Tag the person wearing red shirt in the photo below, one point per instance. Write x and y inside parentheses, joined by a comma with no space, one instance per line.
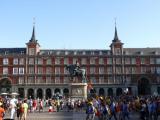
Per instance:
(1,111)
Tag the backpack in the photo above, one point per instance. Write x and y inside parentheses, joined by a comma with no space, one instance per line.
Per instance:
(104,110)
(90,110)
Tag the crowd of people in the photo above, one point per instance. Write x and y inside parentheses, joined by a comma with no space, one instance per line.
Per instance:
(98,107)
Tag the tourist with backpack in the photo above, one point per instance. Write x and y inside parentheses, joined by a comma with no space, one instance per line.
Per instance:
(90,111)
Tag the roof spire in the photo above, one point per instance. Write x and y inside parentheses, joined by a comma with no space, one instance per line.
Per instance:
(33,38)
(116,39)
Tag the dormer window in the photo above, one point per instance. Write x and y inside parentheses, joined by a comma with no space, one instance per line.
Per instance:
(66,52)
(92,53)
(75,52)
(58,52)
(6,52)
(83,53)
(100,53)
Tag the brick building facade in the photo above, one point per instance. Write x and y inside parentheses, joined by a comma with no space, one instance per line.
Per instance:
(35,72)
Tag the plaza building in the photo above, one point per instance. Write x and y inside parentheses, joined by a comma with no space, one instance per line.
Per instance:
(41,73)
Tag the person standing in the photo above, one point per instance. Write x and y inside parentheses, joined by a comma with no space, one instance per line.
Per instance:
(13,108)
(2,111)
(25,107)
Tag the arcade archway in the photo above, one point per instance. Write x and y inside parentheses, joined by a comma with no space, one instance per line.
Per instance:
(48,93)
(110,92)
(66,92)
(5,85)
(30,93)
(119,91)
(57,91)
(39,93)
(101,92)
(144,87)
(21,92)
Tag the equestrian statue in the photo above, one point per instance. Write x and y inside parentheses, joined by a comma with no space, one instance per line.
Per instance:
(76,71)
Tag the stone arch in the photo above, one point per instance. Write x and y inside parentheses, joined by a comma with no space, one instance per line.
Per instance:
(21,92)
(5,85)
(40,93)
(30,93)
(144,87)
(110,92)
(57,90)
(119,91)
(66,92)
(158,90)
(48,93)
(101,92)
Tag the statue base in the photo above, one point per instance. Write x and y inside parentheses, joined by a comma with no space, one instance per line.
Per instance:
(78,90)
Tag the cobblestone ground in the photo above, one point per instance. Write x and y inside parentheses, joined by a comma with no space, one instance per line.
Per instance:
(63,116)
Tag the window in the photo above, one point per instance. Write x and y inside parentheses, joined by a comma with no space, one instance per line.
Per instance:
(157,60)
(117,51)
(93,80)
(118,70)
(128,70)
(57,70)
(66,71)
(66,61)
(66,52)
(40,70)
(15,61)
(127,61)
(31,70)
(21,80)
(133,70)
(84,61)
(31,61)
(21,61)
(40,80)
(109,61)
(158,70)
(57,61)
(92,70)
(74,60)
(48,70)
(133,61)
(30,80)
(101,61)
(110,80)
(66,80)
(92,60)
(118,60)
(83,53)
(5,61)
(57,79)
(15,70)
(21,70)
(100,53)
(40,61)
(5,70)
(152,61)
(101,79)
(109,70)
(49,61)
(48,79)
(31,51)
(101,70)
(143,70)
(142,60)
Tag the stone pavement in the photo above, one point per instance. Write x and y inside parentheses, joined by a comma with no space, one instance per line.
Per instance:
(63,116)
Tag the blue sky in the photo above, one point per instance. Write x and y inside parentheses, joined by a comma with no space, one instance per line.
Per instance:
(80,24)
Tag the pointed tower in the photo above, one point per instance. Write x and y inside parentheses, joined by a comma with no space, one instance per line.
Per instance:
(116,45)
(33,47)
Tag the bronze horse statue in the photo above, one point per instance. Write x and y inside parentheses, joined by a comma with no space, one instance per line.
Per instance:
(76,71)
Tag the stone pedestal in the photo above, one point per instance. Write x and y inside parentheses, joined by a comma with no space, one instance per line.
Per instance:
(78,90)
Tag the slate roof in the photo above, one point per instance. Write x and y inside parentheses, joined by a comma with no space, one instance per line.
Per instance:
(9,51)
